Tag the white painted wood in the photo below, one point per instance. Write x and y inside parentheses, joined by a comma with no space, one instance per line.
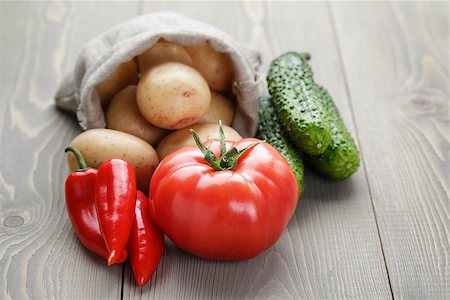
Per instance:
(40,256)
(386,65)
(396,61)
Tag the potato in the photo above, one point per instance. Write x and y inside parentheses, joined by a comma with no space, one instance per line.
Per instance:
(123,114)
(125,75)
(216,67)
(183,137)
(221,108)
(100,145)
(173,95)
(163,52)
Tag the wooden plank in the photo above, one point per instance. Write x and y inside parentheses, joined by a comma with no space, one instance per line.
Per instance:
(396,60)
(331,248)
(40,256)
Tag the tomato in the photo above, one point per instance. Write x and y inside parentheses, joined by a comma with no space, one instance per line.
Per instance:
(230,214)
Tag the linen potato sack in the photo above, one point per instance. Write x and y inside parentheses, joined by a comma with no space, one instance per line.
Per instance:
(102,55)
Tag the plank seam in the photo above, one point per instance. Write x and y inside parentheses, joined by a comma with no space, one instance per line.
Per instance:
(352,113)
(123,281)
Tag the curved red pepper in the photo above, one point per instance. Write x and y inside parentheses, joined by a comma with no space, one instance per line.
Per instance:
(80,204)
(146,243)
(115,198)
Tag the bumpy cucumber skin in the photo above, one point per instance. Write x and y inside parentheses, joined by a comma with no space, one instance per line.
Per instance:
(290,81)
(270,130)
(341,159)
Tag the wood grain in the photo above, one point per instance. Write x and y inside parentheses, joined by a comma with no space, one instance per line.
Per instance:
(381,234)
(331,247)
(396,61)
(40,256)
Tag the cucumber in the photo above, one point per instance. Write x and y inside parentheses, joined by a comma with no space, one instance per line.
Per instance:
(270,130)
(341,159)
(290,81)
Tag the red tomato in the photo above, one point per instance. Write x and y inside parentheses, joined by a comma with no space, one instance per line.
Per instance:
(226,215)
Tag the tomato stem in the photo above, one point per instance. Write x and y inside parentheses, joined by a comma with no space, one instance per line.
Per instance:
(208,154)
(81,162)
(228,159)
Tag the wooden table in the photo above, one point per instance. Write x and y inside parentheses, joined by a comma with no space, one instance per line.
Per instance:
(382,234)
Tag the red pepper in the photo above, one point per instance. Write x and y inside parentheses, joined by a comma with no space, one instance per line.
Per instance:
(80,204)
(146,243)
(115,198)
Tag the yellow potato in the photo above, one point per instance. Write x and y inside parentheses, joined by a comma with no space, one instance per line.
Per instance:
(126,74)
(221,108)
(123,114)
(183,137)
(216,67)
(173,95)
(100,145)
(163,52)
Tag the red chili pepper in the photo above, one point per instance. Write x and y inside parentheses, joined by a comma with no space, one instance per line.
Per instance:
(146,243)
(80,204)
(115,198)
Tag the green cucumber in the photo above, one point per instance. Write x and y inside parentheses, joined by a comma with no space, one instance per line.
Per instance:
(341,159)
(290,81)
(270,130)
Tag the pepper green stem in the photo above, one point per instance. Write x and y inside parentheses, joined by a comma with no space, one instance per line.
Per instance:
(81,162)
(228,159)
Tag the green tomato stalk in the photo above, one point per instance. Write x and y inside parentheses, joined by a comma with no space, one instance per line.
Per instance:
(228,159)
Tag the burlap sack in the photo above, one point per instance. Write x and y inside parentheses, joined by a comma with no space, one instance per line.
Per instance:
(104,54)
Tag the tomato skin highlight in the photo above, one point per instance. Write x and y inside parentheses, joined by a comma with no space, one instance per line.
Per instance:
(224,215)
